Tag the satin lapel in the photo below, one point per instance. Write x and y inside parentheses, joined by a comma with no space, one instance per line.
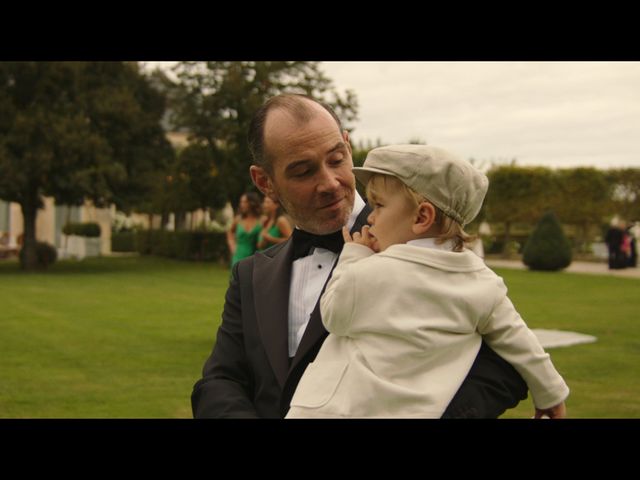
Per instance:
(315,330)
(271,278)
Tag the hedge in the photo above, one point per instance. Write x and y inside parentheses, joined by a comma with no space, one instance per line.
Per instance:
(201,246)
(88,229)
(123,242)
(46,254)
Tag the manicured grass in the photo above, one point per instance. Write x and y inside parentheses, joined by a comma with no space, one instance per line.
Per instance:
(127,337)
(106,338)
(603,375)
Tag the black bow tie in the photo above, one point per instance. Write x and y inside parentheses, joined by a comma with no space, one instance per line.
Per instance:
(304,241)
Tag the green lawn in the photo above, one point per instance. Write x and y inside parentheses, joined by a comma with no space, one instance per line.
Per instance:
(106,338)
(602,376)
(127,337)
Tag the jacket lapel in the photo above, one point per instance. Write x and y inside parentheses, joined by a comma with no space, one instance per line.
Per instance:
(315,329)
(271,278)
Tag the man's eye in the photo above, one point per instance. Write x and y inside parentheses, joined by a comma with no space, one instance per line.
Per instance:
(336,160)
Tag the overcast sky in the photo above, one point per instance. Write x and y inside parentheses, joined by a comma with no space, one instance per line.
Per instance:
(557,114)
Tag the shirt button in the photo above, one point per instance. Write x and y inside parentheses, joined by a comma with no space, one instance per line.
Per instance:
(319,266)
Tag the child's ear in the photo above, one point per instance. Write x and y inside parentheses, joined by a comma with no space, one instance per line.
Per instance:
(425,218)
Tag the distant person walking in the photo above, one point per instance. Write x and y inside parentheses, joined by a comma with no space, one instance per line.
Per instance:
(613,239)
(242,237)
(629,246)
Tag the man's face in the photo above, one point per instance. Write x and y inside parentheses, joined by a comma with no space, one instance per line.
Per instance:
(312,175)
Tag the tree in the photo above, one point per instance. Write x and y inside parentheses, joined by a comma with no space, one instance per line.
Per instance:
(625,192)
(127,108)
(547,248)
(76,131)
(215,101)
(583,200)
(195,181)
(518,195)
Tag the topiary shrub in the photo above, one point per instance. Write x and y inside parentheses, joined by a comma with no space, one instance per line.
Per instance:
(199,246)
(547,247)
(123,242)
(87,229)
(46,254)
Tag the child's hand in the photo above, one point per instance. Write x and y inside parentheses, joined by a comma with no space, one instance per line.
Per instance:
(559,411)
(362,238)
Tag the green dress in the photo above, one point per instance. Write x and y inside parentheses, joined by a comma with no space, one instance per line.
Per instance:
(246,242)
(274,231)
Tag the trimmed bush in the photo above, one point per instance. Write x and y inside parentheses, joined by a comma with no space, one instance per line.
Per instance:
(123,242)
(201,246)
(547,248)
(88,229)
(46,254)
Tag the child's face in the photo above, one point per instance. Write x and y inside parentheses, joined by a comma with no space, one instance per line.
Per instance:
(392,218)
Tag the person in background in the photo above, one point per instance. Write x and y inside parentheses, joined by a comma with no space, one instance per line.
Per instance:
(275,226)
(633,231)
(628,247)
(242,236)
(613,239)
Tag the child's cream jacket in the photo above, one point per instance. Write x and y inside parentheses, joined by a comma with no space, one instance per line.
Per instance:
(405,327)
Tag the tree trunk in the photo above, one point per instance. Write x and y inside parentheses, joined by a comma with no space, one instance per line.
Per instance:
(180,223)
(66,237)
(507,239)
(29,257)
(164,220)
(584,241)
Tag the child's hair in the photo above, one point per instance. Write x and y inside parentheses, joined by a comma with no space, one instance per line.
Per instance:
(447,227)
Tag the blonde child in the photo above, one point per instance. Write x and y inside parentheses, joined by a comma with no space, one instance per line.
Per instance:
(407,305)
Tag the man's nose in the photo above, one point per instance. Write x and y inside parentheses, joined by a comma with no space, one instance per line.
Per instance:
(328,181)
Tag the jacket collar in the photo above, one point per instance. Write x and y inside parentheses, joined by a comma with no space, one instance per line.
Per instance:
(271,285)
(315,329)
(271,278)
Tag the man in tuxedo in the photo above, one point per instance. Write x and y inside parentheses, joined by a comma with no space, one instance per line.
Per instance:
(271,327)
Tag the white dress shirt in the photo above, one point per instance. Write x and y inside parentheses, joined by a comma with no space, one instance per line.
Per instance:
(308,276)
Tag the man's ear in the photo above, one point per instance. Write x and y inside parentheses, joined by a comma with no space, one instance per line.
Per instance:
(345,136)
(262,181)
(425,218)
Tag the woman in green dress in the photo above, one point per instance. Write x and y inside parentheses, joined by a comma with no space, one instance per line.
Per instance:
(275,226)
(242,237)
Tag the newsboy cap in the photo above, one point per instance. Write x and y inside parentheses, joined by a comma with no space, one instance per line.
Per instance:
(452,184)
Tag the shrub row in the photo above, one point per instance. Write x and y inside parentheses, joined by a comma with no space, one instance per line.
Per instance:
(46,254)
(201,246)
(123,241)
(88,229)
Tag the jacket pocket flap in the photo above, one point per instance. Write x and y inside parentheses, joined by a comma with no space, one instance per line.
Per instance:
(318,384)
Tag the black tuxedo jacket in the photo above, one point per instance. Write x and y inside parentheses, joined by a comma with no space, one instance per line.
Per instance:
(249,373)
